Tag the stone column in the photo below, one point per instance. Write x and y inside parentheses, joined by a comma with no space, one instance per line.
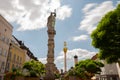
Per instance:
(50,66)
(65,60)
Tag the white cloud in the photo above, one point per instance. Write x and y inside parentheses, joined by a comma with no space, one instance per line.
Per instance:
(54,4)
(81,53)
(118,2)
(32,14)
(64,12)
(94,14)
(43,60)
(81,37)
(89,6)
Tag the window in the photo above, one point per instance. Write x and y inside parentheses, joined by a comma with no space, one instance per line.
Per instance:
(7,66)
(14,57)
(2,38)
(2,67)
(18,59)
(0,51)
(9,55)
(5,30)
(114,78)
(13,66)
(16,66)
(7,41)
(5,53)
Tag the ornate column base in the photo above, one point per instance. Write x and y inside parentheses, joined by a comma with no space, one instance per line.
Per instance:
(50,71)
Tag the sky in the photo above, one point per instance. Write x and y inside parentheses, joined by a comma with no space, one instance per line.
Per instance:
(75,21)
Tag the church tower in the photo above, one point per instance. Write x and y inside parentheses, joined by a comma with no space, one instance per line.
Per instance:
(75,59)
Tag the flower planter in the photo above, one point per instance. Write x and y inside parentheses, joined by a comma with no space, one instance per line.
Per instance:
(31,78)
(19,78)
(74,78)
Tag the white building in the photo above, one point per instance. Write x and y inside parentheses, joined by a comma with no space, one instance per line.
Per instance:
(109,71)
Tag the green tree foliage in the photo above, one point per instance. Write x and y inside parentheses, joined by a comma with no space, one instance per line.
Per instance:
(35,68)
(106,37)
(87,68)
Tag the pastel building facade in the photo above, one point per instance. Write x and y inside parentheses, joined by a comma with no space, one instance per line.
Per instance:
(16,56)
(5,39)
(13,52)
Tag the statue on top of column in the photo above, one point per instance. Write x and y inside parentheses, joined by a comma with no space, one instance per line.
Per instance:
(51,20)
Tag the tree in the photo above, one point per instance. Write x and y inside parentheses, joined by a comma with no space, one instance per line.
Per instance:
(35,68)
(87,68)
(106,37)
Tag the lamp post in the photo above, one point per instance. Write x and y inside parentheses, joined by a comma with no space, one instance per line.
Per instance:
(65,51)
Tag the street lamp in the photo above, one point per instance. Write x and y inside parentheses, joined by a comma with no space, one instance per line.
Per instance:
(65,51)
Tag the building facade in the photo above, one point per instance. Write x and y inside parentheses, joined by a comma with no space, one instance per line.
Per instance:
(118,67)
(5,38)
(109,71)
(13,52)
(16,56)
(29,55)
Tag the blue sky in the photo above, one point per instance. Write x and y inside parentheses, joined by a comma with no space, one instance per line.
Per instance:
(75,21)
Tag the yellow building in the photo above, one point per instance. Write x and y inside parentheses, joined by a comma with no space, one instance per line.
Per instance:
(16,56)
(5,38)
